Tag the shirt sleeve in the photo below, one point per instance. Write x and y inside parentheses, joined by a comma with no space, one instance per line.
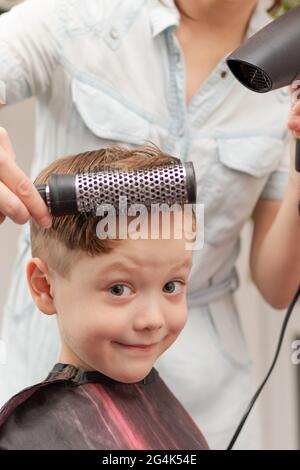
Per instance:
(28,50)
(277,182)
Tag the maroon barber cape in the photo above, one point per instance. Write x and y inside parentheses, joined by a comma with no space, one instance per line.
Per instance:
(75,409)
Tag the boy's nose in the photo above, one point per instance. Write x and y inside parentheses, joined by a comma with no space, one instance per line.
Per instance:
(149,317)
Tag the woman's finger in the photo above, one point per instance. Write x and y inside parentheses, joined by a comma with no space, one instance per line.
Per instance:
(11,206)
(16,180)
(6,144)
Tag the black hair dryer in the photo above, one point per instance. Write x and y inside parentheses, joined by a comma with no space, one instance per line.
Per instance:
(270,59)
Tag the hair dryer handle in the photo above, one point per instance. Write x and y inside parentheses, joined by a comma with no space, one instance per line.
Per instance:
(297,164)
(298,155)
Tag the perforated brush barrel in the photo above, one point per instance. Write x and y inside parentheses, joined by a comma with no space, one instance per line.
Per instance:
(84,192)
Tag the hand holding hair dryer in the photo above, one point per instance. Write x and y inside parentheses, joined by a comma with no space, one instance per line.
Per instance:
(270,59)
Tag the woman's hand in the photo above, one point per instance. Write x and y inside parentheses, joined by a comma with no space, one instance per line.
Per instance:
(294,119)
(294,126)
(19,199)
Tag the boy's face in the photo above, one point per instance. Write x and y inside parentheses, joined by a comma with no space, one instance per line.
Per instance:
(120,311)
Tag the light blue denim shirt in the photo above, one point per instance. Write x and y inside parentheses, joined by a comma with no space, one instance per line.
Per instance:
(112,71)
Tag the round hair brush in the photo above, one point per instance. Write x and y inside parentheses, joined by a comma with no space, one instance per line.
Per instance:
(83,192)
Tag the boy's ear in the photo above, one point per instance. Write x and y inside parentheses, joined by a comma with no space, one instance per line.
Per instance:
(39,282)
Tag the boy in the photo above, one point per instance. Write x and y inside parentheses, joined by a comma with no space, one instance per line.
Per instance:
(120,303)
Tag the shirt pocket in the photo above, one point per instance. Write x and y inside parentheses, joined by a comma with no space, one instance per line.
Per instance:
(233,183)
(107,119)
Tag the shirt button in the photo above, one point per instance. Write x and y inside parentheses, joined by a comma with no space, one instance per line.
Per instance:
(181,132)
(114,33)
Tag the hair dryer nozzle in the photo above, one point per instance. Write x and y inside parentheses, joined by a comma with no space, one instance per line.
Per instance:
(250,75)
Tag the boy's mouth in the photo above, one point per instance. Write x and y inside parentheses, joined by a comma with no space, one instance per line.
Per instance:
(141,347)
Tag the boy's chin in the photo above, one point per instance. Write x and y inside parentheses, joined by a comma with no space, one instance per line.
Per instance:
(132,377)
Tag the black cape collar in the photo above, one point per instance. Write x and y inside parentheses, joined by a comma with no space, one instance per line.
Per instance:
(80,376)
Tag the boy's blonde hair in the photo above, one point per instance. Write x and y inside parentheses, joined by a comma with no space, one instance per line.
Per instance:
(72,236)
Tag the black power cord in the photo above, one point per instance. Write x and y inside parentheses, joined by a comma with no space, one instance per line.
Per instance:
(257,393)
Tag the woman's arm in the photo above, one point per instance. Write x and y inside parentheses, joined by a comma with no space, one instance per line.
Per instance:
(28,49)
(28,56)
(275,250)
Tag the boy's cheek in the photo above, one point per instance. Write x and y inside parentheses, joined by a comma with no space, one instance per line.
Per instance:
(178,324)
(181,319)
(171,338)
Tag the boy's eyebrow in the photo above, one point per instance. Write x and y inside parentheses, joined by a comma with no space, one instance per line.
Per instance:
(118,265)
(186,264)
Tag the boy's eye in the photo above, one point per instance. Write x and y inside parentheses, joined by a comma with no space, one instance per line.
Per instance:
(119,290)
(173,287)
